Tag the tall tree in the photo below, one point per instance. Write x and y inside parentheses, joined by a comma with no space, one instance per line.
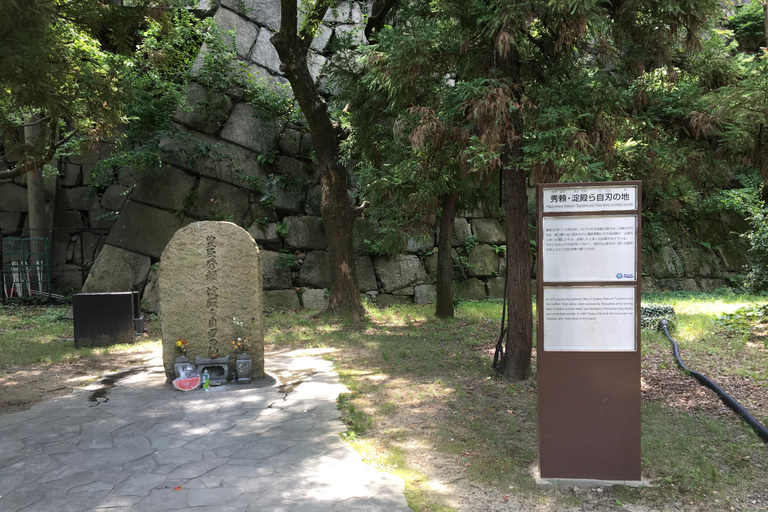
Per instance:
(292,44)
(534,89)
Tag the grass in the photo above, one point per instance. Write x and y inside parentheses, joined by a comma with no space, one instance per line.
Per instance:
(419,381)
(43,334)
(423,387)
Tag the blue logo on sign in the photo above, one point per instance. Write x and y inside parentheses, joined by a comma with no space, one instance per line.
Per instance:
(619,276)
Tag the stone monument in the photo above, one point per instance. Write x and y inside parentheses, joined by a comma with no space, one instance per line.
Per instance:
(210,278)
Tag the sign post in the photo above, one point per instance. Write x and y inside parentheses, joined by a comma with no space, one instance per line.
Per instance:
(588,336)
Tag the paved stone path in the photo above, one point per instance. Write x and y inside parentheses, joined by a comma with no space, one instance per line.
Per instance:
(142,446)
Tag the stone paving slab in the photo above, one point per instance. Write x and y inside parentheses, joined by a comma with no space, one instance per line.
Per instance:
(143,446)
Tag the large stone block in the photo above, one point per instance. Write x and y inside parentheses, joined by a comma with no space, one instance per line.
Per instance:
(150,299)
(471,289)
(205,111)
(430,263)
(707,285)
(700,262)
(353,32)
(281,300)
(290,142)
(420,243)
(366,277)
(101,218)
(167,188)
(461,232)
(425,294)
(247,128)
(482,261)
(496,287)
(296,169)
(217,201)
(117,270)
(71,175)
(114,197)
(80,198)
(287,196)
(385,300)
(667,263)
(275,278)
(316,270)
(209,275)
(68,219)
(305,233)
(245,34)
(265,233)
(316,64)
(322,37)
(488,231)
(398,272)
(339,14)
(145,229)
(263,12)
(264,54)
(313,298)
(312,204)
(9,221)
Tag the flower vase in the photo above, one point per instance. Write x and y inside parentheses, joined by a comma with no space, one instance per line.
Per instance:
(180,363)
(243,365)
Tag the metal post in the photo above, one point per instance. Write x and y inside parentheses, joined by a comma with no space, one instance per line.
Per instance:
(82,259)
(2,266)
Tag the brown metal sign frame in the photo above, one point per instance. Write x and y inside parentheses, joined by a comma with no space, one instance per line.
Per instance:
(589,401)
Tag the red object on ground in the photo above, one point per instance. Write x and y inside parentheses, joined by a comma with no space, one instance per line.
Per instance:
(186,384)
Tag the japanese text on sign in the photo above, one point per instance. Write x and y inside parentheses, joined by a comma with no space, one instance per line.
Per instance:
(563,199)
(589,248)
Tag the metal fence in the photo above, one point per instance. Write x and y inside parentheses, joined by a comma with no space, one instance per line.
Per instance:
(48,263)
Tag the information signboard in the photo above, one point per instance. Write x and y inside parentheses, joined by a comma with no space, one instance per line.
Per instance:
(588,336)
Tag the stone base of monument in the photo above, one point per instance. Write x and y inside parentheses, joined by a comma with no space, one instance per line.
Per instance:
(218,368)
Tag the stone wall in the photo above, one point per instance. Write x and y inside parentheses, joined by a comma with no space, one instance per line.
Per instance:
(144,210)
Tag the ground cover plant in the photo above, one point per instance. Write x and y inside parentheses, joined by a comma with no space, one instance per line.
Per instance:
(424,403)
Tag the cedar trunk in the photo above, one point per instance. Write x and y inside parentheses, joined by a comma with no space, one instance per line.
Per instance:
(444,307)
(517,357)
(335,205)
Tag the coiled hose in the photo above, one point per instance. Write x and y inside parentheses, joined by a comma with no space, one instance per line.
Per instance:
(725,397)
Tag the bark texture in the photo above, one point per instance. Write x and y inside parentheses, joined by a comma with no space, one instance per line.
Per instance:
(519,346)
(444,307)
(335,207)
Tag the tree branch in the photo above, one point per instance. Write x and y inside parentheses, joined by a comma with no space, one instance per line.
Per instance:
(381,9)
(312,21)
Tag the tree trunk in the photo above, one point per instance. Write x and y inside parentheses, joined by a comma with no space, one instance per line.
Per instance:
(444,307)
(335,205)
(517,357)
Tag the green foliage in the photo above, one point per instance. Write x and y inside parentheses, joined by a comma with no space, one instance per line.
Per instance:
(285,259)
(282,228)
(748,25)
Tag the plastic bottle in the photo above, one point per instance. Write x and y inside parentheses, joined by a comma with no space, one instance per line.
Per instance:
(206,380)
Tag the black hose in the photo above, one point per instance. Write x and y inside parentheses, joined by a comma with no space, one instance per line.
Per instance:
(725,397)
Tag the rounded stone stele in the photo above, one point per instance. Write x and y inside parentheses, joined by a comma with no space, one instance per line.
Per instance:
(209,275)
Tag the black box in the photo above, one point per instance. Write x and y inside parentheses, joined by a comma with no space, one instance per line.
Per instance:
(103,319)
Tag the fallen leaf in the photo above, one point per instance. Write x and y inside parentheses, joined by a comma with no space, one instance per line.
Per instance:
(177,488)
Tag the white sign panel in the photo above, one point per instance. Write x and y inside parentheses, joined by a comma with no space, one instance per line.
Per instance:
(593,248)
(590,199)
(583,319)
